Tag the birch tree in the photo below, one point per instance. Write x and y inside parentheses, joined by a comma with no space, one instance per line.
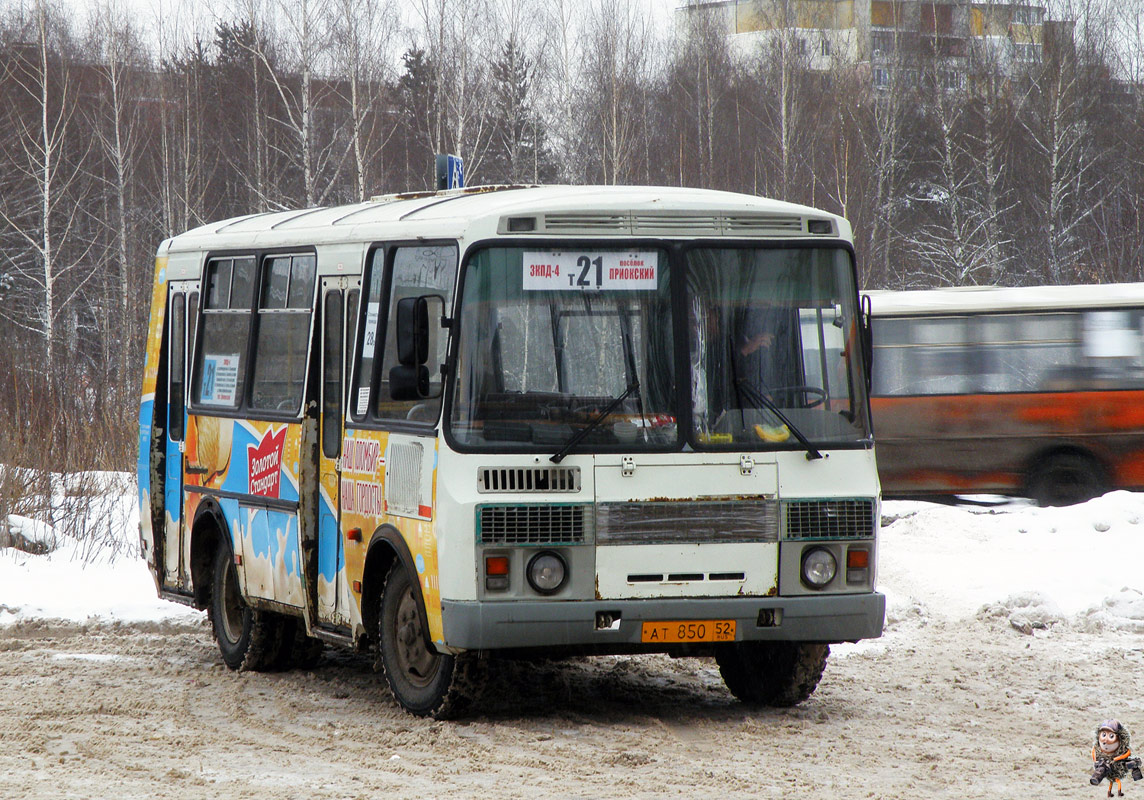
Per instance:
(1064,178)
(117,129)
(458,35)
(41,215)
(362,33)
(613,98)
(702,79)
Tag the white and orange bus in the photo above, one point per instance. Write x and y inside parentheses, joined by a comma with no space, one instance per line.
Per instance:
(515,421)
(1035,391)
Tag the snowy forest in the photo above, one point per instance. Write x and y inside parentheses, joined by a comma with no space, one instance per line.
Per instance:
(119,128)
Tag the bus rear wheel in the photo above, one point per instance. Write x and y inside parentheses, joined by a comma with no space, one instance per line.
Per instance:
(1063,479)
(772,673)
(424,682)
(248,639)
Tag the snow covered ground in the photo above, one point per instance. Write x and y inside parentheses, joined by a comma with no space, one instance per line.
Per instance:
(998,620)
(1036,566)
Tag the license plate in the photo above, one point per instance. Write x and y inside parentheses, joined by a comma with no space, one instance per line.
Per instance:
(704,630)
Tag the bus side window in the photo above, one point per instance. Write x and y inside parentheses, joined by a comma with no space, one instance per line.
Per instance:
(178,367)
(220,358)
(351,329)
(332,375)
(371,329)
(192,324)
(416,271)
(283,333)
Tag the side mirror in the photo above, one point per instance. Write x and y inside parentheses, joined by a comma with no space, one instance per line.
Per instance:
(412,331)
(409,382)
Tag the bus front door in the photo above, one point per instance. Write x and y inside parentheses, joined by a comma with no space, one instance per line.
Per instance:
(174,572)
(337,327)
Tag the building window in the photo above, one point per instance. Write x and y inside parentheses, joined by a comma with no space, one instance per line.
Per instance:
(1027,16)
(1025,51)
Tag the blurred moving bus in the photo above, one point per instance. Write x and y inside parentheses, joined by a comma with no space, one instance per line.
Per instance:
(1035,391)
(515,421)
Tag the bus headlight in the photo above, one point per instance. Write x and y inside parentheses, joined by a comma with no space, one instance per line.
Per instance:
(546,572)
(818,567)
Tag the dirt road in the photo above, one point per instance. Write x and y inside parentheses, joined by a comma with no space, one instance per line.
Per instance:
(966,710)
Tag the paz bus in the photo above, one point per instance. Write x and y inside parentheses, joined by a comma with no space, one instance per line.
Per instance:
(515,422)
(1035,391)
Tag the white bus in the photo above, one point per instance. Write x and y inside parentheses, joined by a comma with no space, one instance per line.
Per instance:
(515,421)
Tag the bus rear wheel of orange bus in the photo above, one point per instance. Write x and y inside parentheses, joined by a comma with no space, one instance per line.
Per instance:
(1063,479)
(424,682)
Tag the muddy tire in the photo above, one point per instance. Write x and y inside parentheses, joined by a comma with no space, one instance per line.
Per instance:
(1064,479)
(772,673)
(248,639)
(424,682)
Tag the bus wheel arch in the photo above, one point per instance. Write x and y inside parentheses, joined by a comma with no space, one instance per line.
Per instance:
(386,547)
(247,638)
(1065,475)
(208,533)
(423,680)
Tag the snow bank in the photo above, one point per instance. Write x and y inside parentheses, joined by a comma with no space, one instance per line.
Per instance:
(1037,566)
(80,579)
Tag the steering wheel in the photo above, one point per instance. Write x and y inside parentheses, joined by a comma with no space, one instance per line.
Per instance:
(808,392)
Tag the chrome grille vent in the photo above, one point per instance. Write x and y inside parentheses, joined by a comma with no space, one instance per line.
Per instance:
(830,519)
(528,479)
(600,223)
(667,223)
(532,524)
(695,521)
(661,224)
(762,224)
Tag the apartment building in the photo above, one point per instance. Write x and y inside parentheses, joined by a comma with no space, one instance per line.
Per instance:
(885,34)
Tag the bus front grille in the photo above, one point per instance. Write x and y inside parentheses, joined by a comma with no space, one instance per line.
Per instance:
(528,479)
(687,522)
(830,519)
(546,524)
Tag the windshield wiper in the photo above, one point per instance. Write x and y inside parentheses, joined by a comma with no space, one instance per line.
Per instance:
(752,393)
(593,423)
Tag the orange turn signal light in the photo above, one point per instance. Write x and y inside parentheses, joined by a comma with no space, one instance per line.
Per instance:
(496,565)
(857,559)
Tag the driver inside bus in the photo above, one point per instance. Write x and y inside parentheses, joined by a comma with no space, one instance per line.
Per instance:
(762,356)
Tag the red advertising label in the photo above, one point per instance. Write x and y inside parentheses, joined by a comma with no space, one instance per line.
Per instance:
(265,462)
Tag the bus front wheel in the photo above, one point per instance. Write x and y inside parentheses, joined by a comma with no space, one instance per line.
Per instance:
(424,682)
(1063,479)
(772,673)
(248,639)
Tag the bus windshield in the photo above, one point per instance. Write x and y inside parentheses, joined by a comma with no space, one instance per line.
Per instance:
(556,341)
(772,331)
(551,338)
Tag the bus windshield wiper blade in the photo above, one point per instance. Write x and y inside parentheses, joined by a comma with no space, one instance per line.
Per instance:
(593,423)
(812,452)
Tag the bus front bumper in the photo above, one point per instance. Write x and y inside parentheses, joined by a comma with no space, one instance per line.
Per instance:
(530,624)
